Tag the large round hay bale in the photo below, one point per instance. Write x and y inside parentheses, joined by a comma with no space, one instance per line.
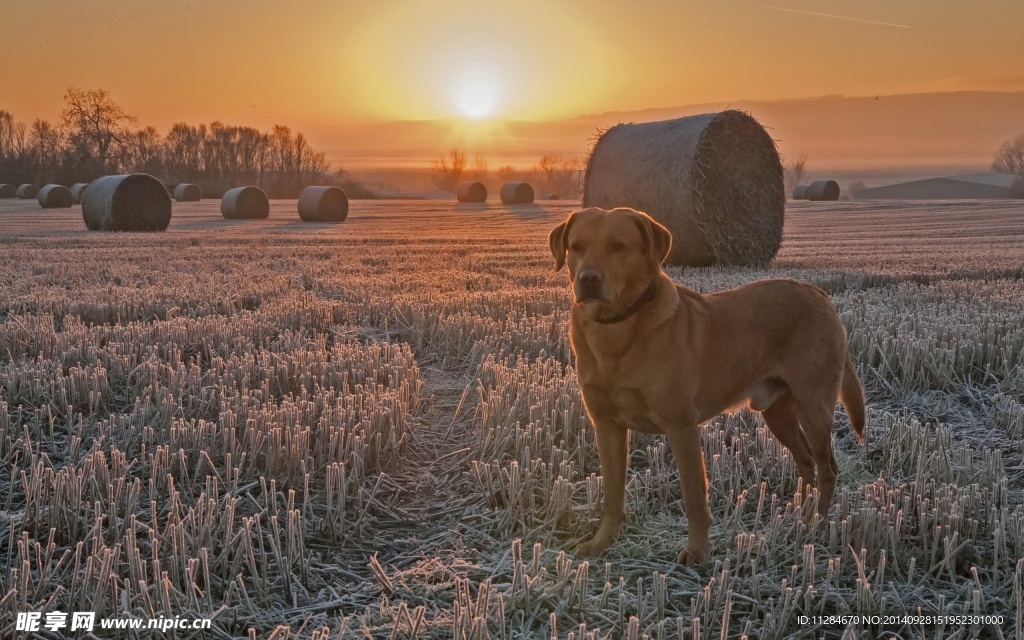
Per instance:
(55,196)
(78,190)
(714,180)
(516,193)
(800,192)
(131,202)
(186,192)
(245,203)
(323,204)
(823,190)
(27,191)
(8,191)
(471,192)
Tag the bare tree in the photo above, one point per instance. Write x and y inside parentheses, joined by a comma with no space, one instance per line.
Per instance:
(479,171)
(94,125)
(506,173)
(290,160)
(794,173)
(282,157)
(569,171)
(253,152)
(17,158)
(46,146)
(183,157)
(448,170)
(6,135)
(1010,157)
(223,142)
(557,174)
(143,152)
(312,163)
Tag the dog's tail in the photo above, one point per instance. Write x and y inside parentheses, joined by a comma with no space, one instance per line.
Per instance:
(852,396)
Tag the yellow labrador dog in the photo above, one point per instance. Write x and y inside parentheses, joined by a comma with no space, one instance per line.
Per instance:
(660,358)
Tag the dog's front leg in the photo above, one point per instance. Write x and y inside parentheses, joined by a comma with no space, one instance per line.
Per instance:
(613,450)
(693,481)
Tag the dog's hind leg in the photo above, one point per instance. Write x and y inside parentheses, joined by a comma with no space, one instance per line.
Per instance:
(816,420)
(782,419)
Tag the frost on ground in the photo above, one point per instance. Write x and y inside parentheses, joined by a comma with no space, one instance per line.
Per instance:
(373,429)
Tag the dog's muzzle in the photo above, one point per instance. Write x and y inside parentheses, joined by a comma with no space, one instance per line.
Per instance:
(588,285)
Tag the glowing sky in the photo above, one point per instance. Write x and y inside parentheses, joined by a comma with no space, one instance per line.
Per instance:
(322,64)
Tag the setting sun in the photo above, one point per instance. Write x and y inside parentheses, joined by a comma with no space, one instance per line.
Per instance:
(476,95)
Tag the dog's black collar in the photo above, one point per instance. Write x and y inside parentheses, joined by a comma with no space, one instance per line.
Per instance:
(647,296)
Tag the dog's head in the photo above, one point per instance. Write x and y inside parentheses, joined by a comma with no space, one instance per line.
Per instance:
(612,255)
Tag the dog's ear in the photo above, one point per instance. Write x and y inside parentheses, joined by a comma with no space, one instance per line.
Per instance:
(558,239)
(657,239)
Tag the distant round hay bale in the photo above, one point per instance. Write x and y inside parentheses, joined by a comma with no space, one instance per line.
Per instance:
(27,191)
(8,191)
(55,196)
(245,203)
(78,190)
(471,192)
(131,202)
(800,192)
(186,192)
(549,196)
(714,180)
(823,190)
(323,204)
(516,193)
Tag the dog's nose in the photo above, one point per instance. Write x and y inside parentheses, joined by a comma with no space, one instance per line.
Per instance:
(590,278)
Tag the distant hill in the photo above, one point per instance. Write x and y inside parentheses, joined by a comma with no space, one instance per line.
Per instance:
(915,133)
(942,128)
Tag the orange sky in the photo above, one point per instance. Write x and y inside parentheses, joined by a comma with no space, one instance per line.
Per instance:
(328,66)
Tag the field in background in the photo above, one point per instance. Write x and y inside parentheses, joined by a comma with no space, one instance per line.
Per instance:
(373,429)
(413,177)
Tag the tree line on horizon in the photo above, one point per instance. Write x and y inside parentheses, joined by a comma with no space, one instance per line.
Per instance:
(553,173)
(96,137)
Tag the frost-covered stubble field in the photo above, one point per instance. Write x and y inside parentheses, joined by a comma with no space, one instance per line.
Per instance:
(373,429)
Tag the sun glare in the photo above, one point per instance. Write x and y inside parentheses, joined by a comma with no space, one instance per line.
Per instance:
(476,95)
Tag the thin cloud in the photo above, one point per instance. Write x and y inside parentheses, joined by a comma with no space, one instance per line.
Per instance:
(981,83)
(835,17)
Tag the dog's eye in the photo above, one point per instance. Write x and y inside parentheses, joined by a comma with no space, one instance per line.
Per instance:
(618,246)
(575,247)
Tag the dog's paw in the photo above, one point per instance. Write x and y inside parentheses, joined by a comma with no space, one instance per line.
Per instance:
(592,547)
(689,557)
